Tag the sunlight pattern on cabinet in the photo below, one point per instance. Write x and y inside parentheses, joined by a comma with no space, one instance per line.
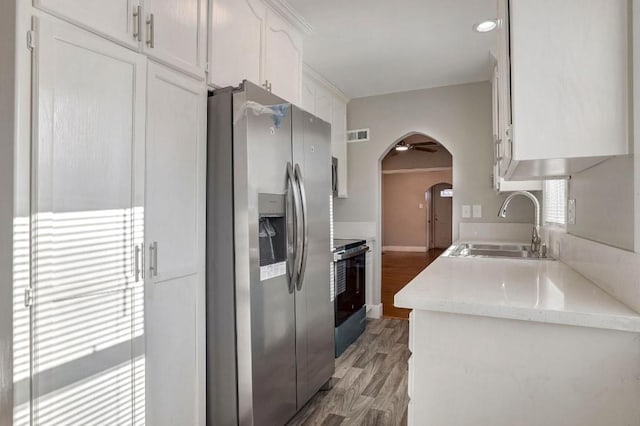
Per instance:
(88,318)
(21,334)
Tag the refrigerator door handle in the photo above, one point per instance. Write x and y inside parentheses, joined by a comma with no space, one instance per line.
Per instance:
(305,227)
(296,253)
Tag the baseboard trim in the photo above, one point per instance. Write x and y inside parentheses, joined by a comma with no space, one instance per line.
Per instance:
(418,249)
(374,311)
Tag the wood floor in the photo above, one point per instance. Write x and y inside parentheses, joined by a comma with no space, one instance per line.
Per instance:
(398,268)
(370,381)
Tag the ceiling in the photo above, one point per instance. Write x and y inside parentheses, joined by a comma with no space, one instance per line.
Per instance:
(371,47)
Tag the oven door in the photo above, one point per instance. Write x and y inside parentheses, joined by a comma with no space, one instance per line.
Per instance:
(349,284)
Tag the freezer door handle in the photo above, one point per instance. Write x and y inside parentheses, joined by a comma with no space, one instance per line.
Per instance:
(295,244)
(305,227)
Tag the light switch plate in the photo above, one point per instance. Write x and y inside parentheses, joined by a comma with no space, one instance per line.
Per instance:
(477,210)
(571,212)
(466,211)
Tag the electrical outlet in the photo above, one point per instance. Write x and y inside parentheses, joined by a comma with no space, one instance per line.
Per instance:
(477,210)
(571,212)
(420,205)
(466,211)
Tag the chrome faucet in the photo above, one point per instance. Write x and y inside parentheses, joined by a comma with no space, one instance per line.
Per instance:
(536,242)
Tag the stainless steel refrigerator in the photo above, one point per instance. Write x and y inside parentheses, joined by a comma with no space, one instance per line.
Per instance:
(269,310)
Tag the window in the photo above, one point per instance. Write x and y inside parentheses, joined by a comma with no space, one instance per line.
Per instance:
(555,202)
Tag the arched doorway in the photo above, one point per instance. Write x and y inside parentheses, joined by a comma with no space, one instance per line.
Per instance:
(416,217)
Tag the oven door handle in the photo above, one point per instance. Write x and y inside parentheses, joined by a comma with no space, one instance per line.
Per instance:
(344,256)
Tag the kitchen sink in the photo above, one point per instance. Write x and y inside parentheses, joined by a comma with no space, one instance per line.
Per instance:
(509,251)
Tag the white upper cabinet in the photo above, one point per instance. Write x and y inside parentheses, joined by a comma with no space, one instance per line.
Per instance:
(499,183)
(324,100)
(114,19)
(568,66)
(252,40)
(175,33)
(171,31)
(283,58)
(339,143)
(236,42)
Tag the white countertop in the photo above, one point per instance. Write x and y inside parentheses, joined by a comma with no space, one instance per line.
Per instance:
(532,290)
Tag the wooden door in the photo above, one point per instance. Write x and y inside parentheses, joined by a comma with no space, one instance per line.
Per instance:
(174,284)
(113,19)
(236,41)
(442,211)
(87,232)
(176,34)
(283,58)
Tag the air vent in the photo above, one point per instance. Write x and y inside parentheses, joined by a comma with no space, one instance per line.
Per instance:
(360,135)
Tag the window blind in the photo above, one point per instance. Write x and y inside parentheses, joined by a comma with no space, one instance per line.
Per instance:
(555,202)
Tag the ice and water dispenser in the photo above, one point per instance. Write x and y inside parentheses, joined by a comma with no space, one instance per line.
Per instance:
(272,235)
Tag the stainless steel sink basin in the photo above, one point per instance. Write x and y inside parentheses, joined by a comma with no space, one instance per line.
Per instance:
(509,251)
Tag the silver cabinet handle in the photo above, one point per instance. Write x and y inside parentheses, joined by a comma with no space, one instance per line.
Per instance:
(293,267)
(305,227)
(136,262)
(153,261)
(151,31)
(267,85)
(137,23)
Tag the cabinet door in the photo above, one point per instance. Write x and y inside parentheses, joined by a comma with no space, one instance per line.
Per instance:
(504,140)
(283,60)
(339,144)
(114,18)
(176,34)
(308,95)
(324,105)
(88,183)
(235,42)
(569,78)
(174,285)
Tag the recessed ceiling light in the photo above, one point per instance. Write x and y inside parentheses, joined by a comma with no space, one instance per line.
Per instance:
(486,26)
(401,147)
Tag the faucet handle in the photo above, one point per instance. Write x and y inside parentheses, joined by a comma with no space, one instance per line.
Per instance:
(543,250)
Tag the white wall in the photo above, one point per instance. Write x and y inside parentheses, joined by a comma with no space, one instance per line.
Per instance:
(7,129)
(605,203)
(458,117)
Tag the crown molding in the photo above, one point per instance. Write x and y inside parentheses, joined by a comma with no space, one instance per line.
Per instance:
(319,78)
(286,11)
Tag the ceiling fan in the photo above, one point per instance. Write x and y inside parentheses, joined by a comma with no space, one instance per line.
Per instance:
(420,146)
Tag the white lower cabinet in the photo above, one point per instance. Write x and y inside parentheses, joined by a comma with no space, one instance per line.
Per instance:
(175,231)
(87,225)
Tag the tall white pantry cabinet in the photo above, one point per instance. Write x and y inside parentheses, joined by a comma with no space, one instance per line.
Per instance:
(109,315)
